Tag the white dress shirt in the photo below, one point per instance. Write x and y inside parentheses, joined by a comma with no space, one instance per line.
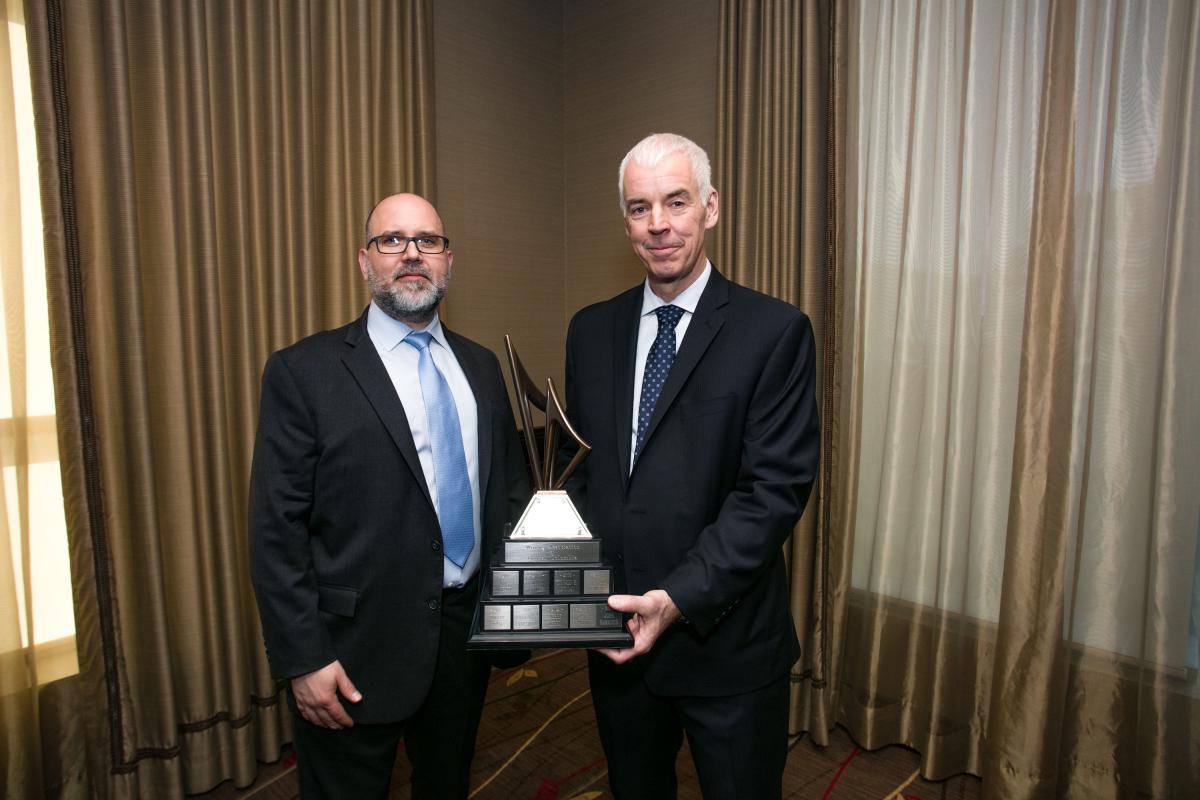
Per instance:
(648,332)
(401,359)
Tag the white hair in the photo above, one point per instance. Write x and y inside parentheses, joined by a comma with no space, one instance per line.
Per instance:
(649,152)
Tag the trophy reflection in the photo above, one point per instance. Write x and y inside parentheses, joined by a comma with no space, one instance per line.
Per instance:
(551,585)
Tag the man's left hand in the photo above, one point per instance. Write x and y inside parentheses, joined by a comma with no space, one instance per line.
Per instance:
(653,612)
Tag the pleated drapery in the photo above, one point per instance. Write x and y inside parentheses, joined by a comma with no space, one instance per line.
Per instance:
(1005,549)
(776,170)
(206,169)
(989,210)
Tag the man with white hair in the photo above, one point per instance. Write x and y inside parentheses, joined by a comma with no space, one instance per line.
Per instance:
(696,395)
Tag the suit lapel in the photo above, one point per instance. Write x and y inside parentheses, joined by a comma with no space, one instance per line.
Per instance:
(703,328)
(368,371)
(625,333)
(483,406)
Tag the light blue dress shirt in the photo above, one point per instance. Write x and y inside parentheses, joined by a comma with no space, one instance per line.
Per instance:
(387,335)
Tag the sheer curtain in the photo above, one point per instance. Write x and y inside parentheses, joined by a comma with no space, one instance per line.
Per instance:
(37,645)
(1023,196)
(20,755)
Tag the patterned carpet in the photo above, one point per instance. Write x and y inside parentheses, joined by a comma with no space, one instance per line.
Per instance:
(538,741)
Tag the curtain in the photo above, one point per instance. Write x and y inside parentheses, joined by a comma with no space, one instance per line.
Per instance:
(1021,210)
(206,172)
(782,83)
(20,755)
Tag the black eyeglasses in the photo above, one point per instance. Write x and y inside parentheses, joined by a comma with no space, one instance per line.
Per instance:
(390,244)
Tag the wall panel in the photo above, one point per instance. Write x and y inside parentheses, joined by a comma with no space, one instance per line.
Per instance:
(499,89)
(631,68)
(537,102)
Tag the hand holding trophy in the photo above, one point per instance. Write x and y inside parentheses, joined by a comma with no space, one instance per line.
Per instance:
(551,587)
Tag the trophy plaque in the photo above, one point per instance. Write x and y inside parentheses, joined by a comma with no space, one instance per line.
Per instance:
(551,584)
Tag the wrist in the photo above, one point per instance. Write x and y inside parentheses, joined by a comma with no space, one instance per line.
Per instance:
(670,612)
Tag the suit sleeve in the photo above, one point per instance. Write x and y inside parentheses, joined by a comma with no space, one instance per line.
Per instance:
(778,468)
(281,497)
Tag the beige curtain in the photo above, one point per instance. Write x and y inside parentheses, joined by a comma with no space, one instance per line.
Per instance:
(20,755)
(206,171)
(1021,201)
(1005,556)
(777,165)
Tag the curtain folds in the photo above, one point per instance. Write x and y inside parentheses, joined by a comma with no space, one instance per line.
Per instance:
(943,136)
(206,173)
(1006,553)
(1029,667)
(777,171)
(1023,557)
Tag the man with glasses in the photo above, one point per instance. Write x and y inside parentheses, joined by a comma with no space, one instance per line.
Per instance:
(386,466)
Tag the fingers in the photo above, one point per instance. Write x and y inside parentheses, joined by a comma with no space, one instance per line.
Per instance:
(334,716)
(626,603)
(331,716)
(653,612)
(316,710)
(618,656)
(641,642)
(316,696)
(346,688)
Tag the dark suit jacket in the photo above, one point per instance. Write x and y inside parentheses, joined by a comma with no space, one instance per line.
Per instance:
(725,471)
(346,553)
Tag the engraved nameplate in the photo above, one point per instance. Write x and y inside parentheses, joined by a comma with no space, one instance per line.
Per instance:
(537,582)
(527,617)
(554,616)
(533,551)
(506,582)
(597,581)
(593,615)
(497,618)
(566,581)
(583,615)
(607,618)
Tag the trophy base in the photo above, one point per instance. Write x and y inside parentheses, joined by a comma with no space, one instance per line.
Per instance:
(548,622)
(548,593)
(519,641)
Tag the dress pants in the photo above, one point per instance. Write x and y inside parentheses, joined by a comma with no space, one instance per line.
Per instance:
(738,742)
(439,738)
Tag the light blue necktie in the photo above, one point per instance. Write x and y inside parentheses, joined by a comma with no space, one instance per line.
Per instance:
(658,366)
(449,460)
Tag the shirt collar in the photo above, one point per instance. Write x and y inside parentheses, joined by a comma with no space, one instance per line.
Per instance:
(388,332)
(688,299)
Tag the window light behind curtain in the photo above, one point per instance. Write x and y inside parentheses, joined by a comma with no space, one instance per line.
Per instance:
(944,130)
(37,622)
(35,583)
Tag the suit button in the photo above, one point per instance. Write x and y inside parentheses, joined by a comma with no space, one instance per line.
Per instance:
(433,605)
(436,545)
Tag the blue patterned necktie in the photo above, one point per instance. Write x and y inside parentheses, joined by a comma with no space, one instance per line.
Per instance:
(658,366)
(455,512)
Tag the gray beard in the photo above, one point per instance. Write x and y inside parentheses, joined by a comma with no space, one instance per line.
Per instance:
(406,305)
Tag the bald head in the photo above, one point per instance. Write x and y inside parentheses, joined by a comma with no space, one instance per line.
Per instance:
(406,258)
(404,206)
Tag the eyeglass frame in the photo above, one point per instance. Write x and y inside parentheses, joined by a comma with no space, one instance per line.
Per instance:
(415,240)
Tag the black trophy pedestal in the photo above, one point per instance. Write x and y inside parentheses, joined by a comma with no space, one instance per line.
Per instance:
(548,593)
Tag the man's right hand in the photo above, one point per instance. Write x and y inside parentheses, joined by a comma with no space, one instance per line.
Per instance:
(317,696)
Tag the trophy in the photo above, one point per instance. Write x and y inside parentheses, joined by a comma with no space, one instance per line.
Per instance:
(551,585)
